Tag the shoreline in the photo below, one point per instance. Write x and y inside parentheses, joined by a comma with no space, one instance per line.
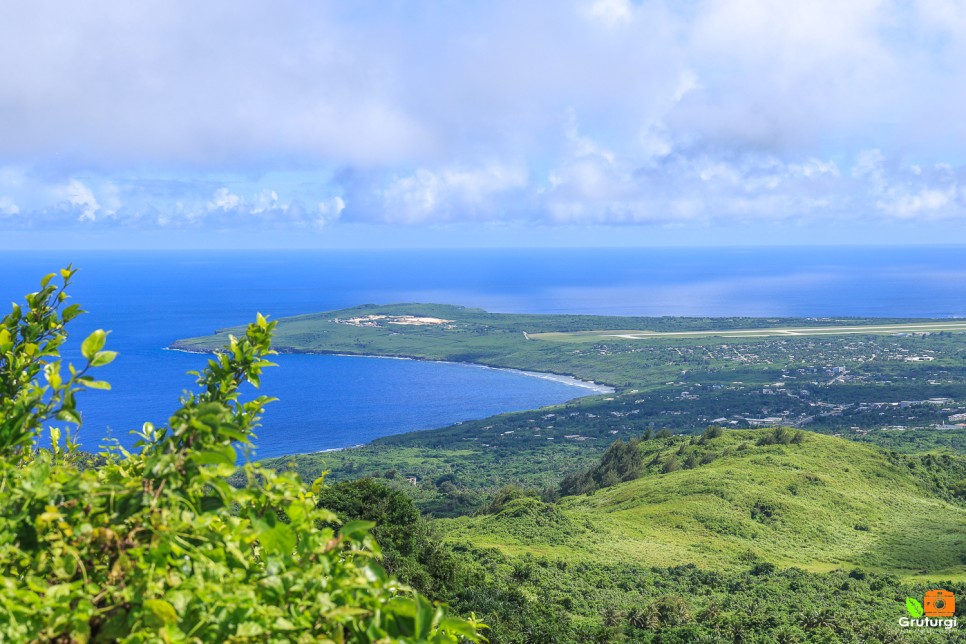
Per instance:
(593,388)
(570,381)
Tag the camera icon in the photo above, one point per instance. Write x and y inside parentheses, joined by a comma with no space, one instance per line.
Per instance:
(939,603)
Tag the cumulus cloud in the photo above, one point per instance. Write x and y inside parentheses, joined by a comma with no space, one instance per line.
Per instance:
(224,200)
(79,198)
(450,193)
(329,211)
(175,114)
(266,201)
(914,191)
(926,200)
(242,83)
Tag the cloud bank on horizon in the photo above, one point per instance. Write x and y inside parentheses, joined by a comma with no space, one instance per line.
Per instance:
(301,117)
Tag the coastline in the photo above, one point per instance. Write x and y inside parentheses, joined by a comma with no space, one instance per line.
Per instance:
(591,388)
(564,379)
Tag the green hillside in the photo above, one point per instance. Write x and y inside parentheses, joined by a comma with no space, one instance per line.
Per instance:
(822,504)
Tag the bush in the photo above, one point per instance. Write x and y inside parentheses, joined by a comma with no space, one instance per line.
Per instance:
(620,463)
(781,436)
(712,432)
(154,544)
(505,495)
(670,465)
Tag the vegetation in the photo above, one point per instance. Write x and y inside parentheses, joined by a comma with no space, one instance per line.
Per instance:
(411,549)
(774,540)
(621,462)
(637,516)
(887,388)
(155,545)
(587,601)
(568,579)
(817,504)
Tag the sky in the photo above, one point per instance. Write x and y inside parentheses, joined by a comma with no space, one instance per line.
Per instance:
(316,124)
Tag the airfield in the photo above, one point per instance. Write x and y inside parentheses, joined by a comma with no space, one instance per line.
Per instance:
(878,329)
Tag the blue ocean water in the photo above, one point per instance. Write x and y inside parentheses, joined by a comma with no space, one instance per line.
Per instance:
(149,299)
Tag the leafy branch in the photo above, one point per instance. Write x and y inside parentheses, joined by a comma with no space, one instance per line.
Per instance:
(154,544)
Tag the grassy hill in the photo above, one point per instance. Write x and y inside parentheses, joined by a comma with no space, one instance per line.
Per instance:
(822,504)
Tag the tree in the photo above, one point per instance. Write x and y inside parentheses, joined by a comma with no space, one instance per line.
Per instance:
(620,463)
(410,549)
(154,544)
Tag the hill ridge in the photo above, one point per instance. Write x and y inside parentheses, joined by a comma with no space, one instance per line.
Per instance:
(823,504)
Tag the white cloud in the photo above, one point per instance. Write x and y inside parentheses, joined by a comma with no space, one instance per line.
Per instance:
(815,167)
(450,193)
(224,200)
(80,198)
(240,84)
(329,211)
(929,201)
(234,113)
(266,200)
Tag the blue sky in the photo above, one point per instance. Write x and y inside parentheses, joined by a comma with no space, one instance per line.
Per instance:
(176,124)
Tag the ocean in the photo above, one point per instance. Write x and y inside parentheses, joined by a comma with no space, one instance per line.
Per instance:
(150,299)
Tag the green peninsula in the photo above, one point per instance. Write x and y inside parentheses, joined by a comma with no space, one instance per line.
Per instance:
(887,381)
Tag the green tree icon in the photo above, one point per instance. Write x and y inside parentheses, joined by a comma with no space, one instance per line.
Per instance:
(914,607)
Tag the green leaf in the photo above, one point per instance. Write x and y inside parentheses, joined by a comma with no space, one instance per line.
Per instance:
(102,358)
(70,415)
(71,312)
(295,511)
(357,530)
(94,343)
(52,374)
(115,626)
(211,503)
(94,384)
(424,617)
(460,627)
(162,610)
(375,572)
(219,455)
(280,538)
(914,607)
(233,434)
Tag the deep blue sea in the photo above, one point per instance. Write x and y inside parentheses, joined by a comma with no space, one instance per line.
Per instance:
(150,299)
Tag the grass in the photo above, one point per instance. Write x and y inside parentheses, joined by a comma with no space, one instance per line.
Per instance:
(827,503)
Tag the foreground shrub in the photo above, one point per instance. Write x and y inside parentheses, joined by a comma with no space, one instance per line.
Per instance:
(154,544)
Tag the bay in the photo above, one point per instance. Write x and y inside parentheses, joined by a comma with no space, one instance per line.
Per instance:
(150,299)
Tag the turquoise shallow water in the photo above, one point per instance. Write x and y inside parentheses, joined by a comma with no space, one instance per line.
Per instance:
(149,300)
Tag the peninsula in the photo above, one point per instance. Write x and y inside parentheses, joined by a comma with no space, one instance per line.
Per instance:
(894,382)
